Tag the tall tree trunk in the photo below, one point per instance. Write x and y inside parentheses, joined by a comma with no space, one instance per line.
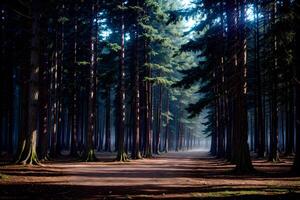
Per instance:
(107,121)
(177,130)
(54,103)
(232,56)
(16,102)
(221,150)
(166,145)
(289,133)
(29,155)
(296,80)
(229,131)
(90,149)
(274,132)
(59,97)
(136,154)
(243,162)
(158,121)
(213,144)
(148,104)
(74,98)
(43,110)
(121,155)
(260,129)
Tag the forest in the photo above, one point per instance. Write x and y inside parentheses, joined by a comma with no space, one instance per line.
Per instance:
(142,99)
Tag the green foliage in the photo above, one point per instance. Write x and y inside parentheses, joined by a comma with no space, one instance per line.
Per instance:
(159,81)
(114,47)
(168,115)
(83,63)
(3,176)
(62,19)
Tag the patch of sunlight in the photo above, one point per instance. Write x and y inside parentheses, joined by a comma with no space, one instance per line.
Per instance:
(228,193)
(186,3)
(190,22)
(250,13)
(3,176)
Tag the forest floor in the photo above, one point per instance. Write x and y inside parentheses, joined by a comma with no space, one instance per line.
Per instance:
(176,175)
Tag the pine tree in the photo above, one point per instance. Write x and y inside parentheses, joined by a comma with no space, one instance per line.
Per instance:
(120,98)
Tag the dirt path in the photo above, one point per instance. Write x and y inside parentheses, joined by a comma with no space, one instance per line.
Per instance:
(178,175)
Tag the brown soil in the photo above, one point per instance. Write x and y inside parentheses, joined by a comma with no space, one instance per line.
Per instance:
(180,175)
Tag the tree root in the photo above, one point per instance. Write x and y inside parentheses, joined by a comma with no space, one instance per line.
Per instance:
(90,156)
(28,158)
(148,155)
(122,157)
(137,156)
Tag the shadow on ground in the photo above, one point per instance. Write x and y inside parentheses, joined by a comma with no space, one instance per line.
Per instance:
(48,191)
(189,175)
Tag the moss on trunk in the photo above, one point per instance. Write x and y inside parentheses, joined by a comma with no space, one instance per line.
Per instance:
(28,155)
(90,156)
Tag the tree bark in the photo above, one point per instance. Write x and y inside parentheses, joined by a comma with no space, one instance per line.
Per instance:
(274,133)
(243,162)
(90,149)
(136,154)
(121,155)
(260,129)
(148,104)
(107,121)
(296,80)
(28,155)
(166,145)
(157,145)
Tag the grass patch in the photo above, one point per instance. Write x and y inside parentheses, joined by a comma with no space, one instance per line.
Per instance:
(3,176)
(228,193)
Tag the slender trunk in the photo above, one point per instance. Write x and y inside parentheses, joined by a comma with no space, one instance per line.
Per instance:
(213,143)
(90,150)
(136,112)
(229,128)
(221,151)
(136,154)
(158,121)
(59,97)
(74,106)
(177,130)
(107,121)
(43,108)
(274,133)
(148,110)
(121,155)
(260,129)
(15,127)
(166,145)
(289,133)
(54,103)
(181,133)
